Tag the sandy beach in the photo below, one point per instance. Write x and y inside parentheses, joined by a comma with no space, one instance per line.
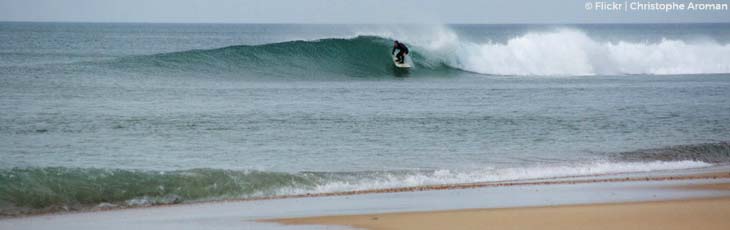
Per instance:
(709,213)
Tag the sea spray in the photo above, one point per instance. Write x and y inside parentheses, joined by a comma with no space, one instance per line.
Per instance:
(571,52)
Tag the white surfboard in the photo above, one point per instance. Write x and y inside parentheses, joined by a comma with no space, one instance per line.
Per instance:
(400,65)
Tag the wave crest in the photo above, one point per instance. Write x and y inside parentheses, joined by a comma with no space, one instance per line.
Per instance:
(362,56)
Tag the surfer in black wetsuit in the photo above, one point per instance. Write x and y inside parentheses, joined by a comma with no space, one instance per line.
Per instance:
(402,50)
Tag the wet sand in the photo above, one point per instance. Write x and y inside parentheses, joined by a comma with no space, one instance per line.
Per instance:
(707,213)
(703,214)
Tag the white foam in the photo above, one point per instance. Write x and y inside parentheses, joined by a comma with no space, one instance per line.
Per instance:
(494,174)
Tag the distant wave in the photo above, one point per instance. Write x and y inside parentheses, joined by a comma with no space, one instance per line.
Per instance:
(562,52)
(709,152)
(27,190)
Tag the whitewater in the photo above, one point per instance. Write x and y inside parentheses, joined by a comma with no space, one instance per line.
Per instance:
(570,52)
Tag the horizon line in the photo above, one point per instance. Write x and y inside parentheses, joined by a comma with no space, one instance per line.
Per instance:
(360,23)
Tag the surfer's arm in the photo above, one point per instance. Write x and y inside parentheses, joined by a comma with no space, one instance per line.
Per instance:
(393,51)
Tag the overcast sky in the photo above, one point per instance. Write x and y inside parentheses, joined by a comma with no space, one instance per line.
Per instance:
(341,11)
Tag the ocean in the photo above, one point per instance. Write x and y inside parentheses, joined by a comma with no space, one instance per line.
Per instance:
(144,114)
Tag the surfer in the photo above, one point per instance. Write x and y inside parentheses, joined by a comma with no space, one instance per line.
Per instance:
(402,50)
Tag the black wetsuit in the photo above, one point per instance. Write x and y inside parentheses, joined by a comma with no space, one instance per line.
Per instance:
(402,49)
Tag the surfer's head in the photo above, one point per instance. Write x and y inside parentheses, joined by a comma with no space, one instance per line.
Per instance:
(395,42)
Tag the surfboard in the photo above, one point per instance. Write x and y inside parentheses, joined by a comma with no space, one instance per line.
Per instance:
(400,65)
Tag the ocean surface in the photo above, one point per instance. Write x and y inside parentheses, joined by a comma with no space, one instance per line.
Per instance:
(145,114)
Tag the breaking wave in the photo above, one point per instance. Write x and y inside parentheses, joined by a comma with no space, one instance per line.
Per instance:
(29,190)
(561,52)
(362,56)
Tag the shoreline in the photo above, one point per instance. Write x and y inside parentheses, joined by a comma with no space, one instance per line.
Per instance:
(711,173)
(686,213)
(702,213)
(261,214)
